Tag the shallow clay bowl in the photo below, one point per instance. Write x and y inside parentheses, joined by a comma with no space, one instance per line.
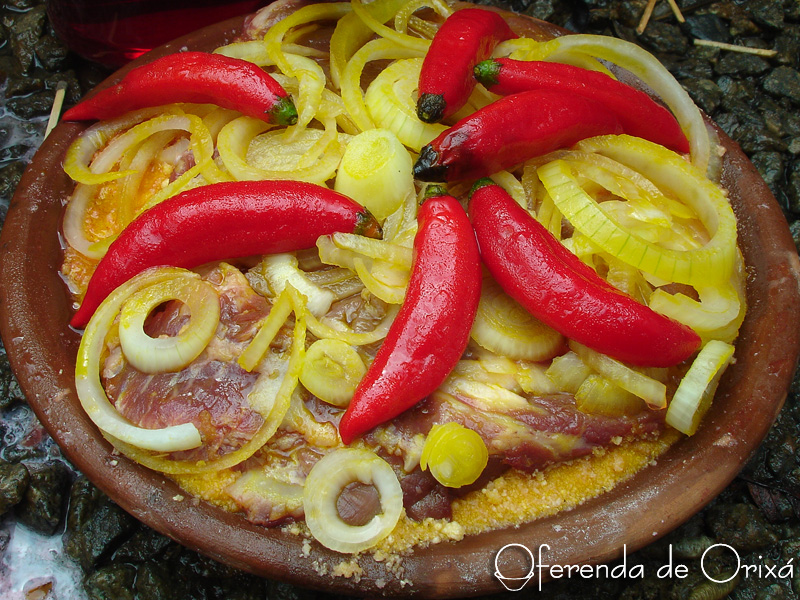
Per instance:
(35,310)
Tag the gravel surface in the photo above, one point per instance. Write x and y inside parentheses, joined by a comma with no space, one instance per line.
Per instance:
(755,99)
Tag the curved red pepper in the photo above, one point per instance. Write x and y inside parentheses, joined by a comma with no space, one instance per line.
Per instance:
(510,131)
(467,37)
(223,221)
(638,113)
(431,331)
(199,77)
(557,288)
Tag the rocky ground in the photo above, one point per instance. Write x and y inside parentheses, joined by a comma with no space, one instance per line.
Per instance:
(754,99)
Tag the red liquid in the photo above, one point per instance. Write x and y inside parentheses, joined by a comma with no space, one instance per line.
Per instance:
(113,32)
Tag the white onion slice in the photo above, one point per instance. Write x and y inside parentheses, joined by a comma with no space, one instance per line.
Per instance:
(87,374)
(325,483)
(168,353)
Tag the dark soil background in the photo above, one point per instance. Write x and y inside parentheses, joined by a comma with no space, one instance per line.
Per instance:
(754,99)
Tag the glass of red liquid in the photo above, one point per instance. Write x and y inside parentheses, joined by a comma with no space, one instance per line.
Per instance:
(112,32)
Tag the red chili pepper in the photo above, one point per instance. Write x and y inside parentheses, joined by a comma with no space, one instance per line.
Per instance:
(638,113)
(192,77)
(510,131)
(223,221)
(467,37)
(553,285)
(431,331)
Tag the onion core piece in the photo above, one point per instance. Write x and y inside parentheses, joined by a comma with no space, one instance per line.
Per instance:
(325,483)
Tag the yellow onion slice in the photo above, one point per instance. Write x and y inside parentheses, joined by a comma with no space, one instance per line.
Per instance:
(255,350)
(87,373)
(718,307)
(273,157)
(328,477)
(637,383)
(168,353)
(406,12)
(331,371)
(351,33)
(713,262)
(281,270)
(329,328)
(391,103)
(80,153)
(504,327)
(307,14)
(352,94)
(271,397)
(600,396)
(568,372)
(402,39)
(455,455)
(693,397)
(383,281)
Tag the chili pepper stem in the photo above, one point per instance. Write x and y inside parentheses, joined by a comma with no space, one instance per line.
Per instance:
(486,72)
(367,225)
(430,108)
(427,167)
(284,112)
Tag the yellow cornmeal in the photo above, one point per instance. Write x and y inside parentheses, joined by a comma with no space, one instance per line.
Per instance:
(516,498)
(510,500)
(211,487)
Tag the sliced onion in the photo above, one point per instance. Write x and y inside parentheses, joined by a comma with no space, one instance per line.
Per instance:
(600,396)
(329,476)
(352,94)
(406,12)
(168,353)
(307,14)
(371,248)
(272,157)
(255,350)
(402,39)
(568,372)
(504,327)
(717,308)
(488,397)
(271,397)
(75,218)
(331,371)
(711,263)
(391,103)
(87,373)
(384,281)
(282,269)
(80,153)
(329,328)
(637,383)
(693,397)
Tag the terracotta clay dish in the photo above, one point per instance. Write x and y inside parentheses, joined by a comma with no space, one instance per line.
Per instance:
(35,309)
